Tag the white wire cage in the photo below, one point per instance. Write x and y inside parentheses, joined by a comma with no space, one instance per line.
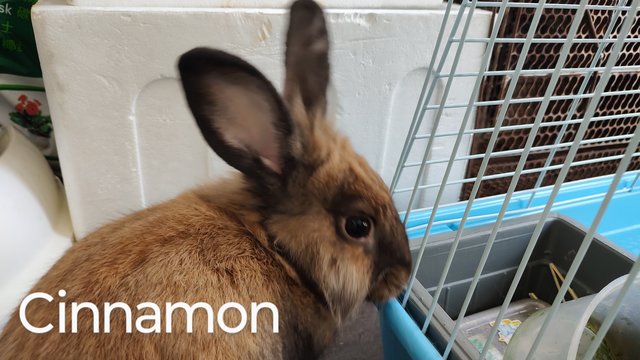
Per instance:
(556,101)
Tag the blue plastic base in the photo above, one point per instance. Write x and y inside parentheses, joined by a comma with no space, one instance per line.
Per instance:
(401,337)
(580,200)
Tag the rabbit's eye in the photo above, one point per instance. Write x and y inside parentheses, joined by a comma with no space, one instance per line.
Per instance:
(357,226)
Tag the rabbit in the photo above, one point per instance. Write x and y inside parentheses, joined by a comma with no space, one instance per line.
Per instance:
(304,224)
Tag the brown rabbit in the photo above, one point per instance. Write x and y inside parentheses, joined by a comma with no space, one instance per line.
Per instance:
(307,226)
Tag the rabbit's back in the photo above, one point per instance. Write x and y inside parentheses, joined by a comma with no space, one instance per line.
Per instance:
(185,250)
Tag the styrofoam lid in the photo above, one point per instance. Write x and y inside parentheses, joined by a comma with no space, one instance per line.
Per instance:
(263,4)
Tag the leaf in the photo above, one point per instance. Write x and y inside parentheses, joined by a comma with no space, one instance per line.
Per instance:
(18,119)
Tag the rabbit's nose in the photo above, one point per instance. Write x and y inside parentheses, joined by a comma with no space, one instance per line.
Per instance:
(392,264)
(388,284)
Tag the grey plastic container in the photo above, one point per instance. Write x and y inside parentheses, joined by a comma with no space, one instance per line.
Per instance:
(558,243)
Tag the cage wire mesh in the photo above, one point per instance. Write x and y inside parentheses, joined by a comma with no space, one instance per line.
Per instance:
(556,99)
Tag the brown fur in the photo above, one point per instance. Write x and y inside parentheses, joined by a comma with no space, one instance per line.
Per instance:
(184,250)
(274,234)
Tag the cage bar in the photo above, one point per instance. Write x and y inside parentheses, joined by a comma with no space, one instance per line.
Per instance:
(569,114)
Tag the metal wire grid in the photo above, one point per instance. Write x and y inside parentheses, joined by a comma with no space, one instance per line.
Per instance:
(622,18)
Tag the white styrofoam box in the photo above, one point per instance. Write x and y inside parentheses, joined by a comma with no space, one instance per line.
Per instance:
(35,229)
(262,4)
(125,136)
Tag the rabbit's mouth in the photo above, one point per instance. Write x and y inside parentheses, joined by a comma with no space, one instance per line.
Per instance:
(388,284)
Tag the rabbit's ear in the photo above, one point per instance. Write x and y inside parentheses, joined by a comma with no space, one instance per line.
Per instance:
(307,62)
(238,111)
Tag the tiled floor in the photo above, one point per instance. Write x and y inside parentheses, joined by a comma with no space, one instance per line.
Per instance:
(359,339)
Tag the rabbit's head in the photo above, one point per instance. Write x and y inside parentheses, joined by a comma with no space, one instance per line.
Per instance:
(327,213)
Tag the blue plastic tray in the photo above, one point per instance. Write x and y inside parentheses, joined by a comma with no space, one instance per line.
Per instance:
(580,200)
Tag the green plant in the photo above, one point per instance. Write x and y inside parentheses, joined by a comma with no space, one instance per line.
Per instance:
(29,116)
